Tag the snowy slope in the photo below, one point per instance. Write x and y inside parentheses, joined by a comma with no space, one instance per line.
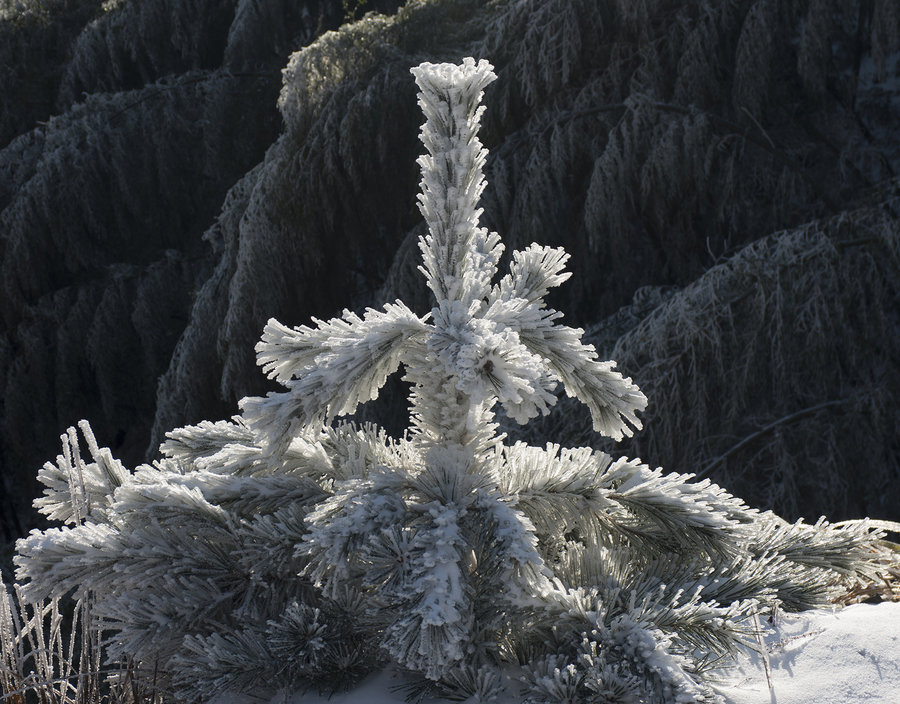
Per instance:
(851,656)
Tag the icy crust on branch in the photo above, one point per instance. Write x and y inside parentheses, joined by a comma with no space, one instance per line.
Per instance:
(459,257)
(289,551)
(329,370)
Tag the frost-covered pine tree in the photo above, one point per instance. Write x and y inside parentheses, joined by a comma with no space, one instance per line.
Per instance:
(286,548)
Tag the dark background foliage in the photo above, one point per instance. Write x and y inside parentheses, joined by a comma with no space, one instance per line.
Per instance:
(723,173)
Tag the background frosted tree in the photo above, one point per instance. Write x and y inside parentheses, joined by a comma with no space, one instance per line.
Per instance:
(285,548)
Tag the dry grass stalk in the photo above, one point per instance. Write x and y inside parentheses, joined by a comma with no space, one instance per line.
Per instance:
(51,656)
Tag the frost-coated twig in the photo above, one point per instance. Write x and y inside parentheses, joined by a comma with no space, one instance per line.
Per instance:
(763,653)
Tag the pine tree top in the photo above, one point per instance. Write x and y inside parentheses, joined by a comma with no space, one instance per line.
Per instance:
(482,343)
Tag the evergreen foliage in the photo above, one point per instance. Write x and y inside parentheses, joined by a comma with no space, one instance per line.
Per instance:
(651,139)
(616,134)
(285,548)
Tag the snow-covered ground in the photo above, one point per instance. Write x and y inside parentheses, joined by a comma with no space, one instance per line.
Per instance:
(848,656)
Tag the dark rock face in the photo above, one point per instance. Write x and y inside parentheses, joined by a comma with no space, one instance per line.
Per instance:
(166,211)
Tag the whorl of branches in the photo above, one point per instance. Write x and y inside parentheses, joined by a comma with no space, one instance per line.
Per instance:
(330,548)
(324,175)
(629,152)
